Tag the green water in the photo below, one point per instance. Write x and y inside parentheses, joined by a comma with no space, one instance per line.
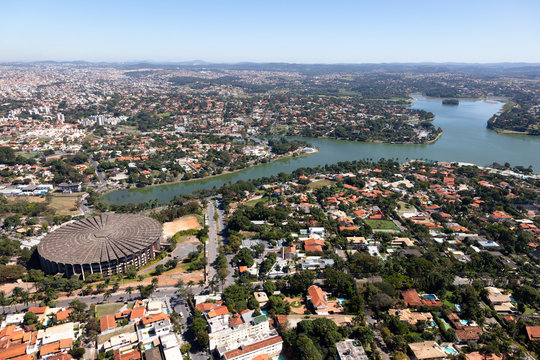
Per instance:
(465,139)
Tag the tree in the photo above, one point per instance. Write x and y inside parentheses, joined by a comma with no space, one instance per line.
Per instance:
(269,287)
(30,318)
(300,281)
(129,291)
(236,297)
(78,306)
(244,257)
(131,272)
(77,352)
(306,350)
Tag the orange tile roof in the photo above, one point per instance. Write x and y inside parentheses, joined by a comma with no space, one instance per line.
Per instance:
(533,332)
(132,355)
(13,351)
(137,313)
(51,348)
(107,322)
(60,357)
(154,318)
(222,310)
(253,347)
(203,307)
(38,310)
(317,296)
(63,314)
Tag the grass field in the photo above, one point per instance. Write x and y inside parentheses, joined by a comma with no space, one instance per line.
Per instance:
(404,207)
(108,309)
(65,204)
(256,201)
(319,184)
(381,225)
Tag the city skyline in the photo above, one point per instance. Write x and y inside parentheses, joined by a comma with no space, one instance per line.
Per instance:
(297,32)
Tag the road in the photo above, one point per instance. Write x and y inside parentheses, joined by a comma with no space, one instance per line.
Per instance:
(216,230)
(101,177)
(379,342)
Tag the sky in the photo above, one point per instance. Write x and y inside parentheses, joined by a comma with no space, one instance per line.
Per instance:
(331,31)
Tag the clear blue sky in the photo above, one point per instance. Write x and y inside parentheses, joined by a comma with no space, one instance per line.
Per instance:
(331,31)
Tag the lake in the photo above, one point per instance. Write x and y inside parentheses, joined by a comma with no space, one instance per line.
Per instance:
(465,138)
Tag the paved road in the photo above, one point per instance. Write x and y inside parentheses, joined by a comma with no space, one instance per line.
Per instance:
(213,241)
(379,342)
(216,231)
(101,177)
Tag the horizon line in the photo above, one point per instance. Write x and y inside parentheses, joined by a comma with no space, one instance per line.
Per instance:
(203,62)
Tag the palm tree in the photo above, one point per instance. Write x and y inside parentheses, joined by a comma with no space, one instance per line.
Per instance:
(25,298)
(140,288)
(213,284)
(155,281)
(3,301)
(129,290)
(107,294)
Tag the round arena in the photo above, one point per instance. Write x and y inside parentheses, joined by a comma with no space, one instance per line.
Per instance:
(104,244)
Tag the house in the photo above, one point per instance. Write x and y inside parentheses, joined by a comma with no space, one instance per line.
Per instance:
(468,333)
(314,245)
(408,316)
(55,348)
(68,188)
(318,299)
(264,349)
(316,231)
(502,303)
(427,350)
(402,242)
(107,322)
(347,350)
(261,298)
(315,262)
(170,347)
(533,332)
(477,356)
(411,298)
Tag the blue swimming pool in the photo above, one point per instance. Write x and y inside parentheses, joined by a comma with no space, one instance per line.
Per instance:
(450,350)
(430,297)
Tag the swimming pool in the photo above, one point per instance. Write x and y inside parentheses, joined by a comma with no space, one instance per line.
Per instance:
(450,350)
(430,297)
(464,322)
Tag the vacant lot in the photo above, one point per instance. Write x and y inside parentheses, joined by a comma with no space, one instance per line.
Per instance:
(381,225)
(319,184)
(66,204)
(187,222)
(107,309)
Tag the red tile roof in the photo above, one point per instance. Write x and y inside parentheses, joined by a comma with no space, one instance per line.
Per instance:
(107,322)
(253,347)
(317,296)
(137,313)
(533,332)
(13,351)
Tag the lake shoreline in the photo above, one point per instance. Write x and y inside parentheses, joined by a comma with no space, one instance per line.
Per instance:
(295,154)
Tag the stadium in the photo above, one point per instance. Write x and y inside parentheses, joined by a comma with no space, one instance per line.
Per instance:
(104,244)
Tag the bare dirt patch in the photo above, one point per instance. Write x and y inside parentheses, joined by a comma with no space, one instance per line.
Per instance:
(66,204)
(187,222)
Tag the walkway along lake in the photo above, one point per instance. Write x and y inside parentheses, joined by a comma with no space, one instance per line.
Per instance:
(465,138)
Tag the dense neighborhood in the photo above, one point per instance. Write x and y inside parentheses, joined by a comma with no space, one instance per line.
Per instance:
(361,259)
